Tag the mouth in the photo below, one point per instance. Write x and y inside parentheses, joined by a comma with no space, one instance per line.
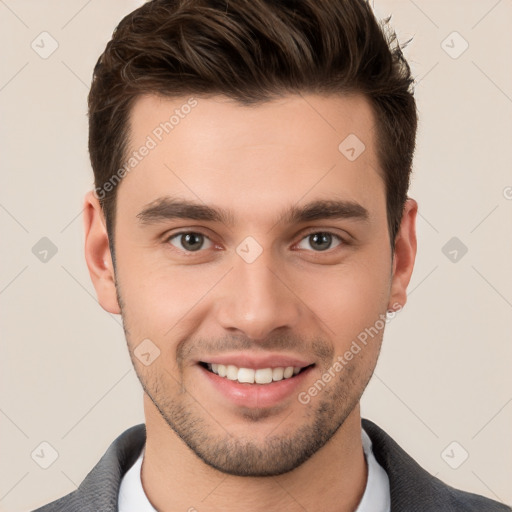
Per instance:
(259,376)
(254,381)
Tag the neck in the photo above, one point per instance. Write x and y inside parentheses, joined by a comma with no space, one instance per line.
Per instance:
(174,478)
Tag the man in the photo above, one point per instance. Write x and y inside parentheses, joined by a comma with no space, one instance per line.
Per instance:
(250,222)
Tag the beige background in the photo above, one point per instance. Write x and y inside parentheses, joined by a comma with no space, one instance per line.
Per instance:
(444,372)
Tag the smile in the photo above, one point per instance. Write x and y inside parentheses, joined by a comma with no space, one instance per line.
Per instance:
(253,376)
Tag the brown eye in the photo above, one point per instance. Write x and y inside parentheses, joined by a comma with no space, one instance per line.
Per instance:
(321,241)
(189,241)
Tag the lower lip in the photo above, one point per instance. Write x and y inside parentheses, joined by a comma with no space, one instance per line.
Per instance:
(256,396)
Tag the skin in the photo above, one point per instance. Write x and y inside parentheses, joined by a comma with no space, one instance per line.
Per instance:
(203,450)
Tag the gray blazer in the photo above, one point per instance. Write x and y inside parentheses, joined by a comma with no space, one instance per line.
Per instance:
(412,488)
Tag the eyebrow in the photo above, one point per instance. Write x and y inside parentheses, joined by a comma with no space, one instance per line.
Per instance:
(168,208)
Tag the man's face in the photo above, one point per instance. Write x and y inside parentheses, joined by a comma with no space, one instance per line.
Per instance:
(257,288)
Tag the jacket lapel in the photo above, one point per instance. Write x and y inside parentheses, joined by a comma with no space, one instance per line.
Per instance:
(412,488)
(100,489)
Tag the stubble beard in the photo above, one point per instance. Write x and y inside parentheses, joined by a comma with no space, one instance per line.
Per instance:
(277,454)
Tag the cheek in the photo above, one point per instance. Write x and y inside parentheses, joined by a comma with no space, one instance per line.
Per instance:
(158,298)
(350,298)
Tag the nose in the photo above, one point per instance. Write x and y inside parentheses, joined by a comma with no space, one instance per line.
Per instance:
(257,298)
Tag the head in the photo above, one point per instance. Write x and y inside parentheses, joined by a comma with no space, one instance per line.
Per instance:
(251,161)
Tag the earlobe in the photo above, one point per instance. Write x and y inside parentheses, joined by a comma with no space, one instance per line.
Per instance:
(97,254)
(404,256)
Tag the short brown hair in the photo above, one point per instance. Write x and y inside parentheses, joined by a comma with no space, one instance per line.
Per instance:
(254,51)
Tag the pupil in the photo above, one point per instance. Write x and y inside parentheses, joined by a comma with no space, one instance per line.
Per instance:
(322,238)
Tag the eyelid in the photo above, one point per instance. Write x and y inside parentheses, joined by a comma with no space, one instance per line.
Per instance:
(185,231)
(330,231)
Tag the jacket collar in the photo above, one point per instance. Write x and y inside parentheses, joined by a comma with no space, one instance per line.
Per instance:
(412,488)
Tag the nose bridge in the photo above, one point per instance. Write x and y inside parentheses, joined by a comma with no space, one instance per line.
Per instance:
(255,299)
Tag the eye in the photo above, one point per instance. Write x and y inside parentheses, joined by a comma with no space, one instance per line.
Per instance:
(321,241)
(189,241)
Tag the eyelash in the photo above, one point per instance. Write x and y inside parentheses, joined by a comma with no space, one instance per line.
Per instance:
(342,241)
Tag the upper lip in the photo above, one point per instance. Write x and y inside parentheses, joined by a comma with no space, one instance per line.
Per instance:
(257,361)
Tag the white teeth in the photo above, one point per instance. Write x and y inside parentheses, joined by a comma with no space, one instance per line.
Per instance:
(277,373)
(231,372)
(288,372)
(246,375)
(263,376)
(251,376)
(221,370)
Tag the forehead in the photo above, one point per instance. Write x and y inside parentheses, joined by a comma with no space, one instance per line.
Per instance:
(215,149)
(294,119)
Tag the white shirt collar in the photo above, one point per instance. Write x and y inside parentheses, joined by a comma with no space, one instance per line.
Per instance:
(376,497)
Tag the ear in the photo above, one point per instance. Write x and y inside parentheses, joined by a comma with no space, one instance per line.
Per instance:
(97,254)
(404,256)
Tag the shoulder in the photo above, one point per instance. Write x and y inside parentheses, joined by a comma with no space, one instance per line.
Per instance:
(100,488)
(415,490)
